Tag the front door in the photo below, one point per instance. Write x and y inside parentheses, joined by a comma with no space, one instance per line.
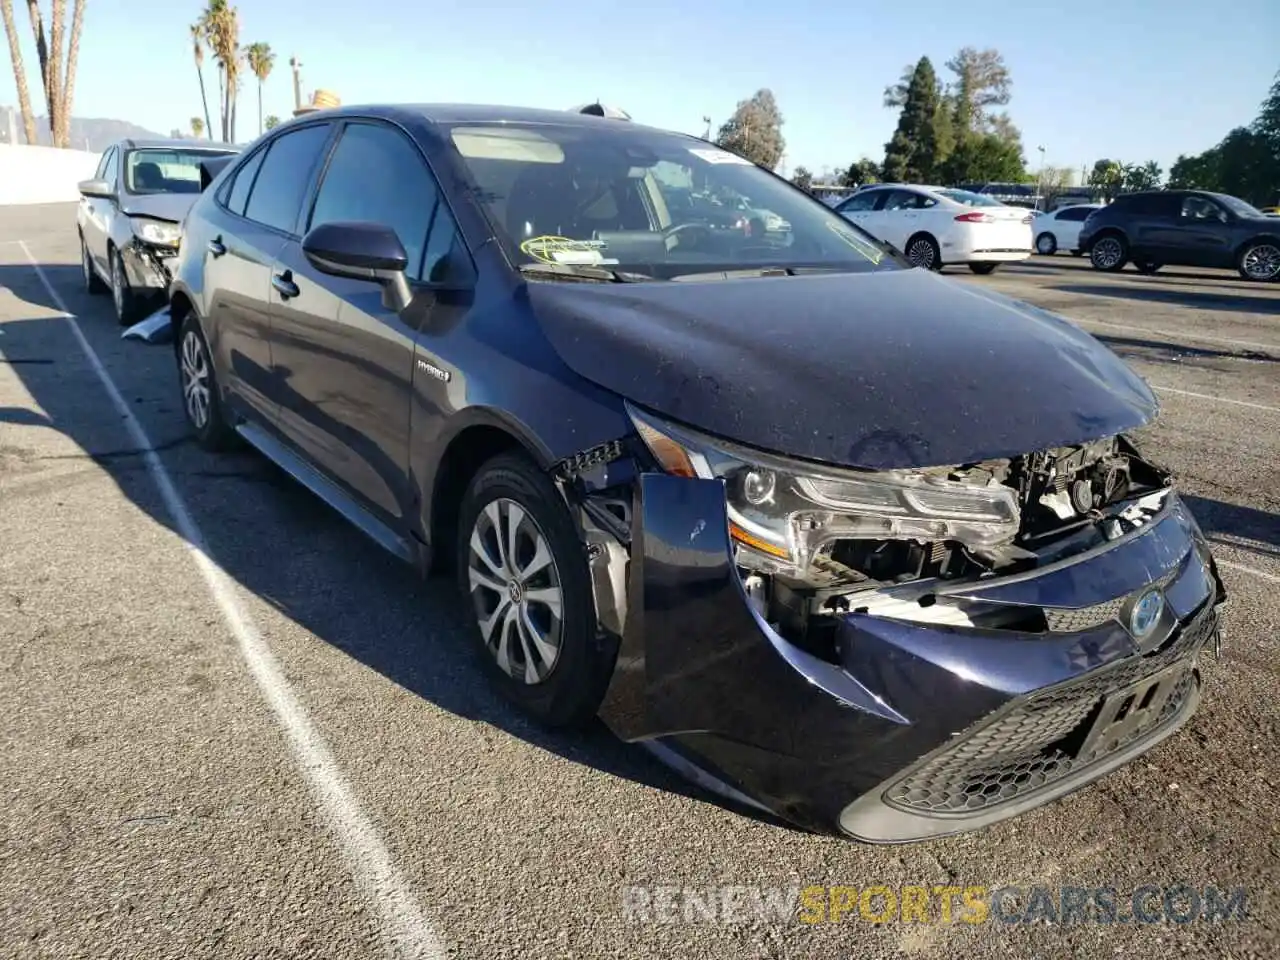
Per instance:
(344,363)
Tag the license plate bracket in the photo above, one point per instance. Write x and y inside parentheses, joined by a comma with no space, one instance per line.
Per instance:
(1132,711)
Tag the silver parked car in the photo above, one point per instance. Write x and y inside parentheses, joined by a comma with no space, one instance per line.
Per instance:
(130,216)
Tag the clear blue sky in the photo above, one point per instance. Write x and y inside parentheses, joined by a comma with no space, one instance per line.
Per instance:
(1133,79)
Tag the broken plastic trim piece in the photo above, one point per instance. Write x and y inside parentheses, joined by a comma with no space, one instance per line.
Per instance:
(155,329)
(586,460)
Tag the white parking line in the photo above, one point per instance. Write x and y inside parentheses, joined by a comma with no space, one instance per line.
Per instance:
(370,862)
(1243,568)
(1206,396)
(1185,335)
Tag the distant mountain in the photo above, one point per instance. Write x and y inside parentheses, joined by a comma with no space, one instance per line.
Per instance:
(87,133)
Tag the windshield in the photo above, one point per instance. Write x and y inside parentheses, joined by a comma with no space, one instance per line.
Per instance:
(968,198)
(166,171)
(1238,206)
(641,201)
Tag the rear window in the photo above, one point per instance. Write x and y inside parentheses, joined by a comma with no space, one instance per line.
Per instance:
(969,198)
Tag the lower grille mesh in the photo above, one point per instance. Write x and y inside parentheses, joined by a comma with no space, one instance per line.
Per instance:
(1041,740)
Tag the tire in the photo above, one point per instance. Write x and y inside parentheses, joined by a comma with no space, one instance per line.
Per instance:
(1147,269)
(922,250)
(1259,260)
(212,431)
(1046,244)
(129,306)
(982,269)
(92,282)
(1109,253)
(559,683)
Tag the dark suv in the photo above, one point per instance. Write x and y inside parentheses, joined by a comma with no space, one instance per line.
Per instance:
(841,539)
(1185,228)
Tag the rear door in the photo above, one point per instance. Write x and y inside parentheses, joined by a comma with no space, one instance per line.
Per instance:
(259,207)
(344,362)
(903,214)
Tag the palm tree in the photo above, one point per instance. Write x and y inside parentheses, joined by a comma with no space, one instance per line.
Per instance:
(58,86)
(261,59)
(19,72)
(220,25)
(197,127)
(197,51)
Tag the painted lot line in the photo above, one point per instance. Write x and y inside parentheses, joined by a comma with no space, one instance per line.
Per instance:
(404,924)
(1175,335)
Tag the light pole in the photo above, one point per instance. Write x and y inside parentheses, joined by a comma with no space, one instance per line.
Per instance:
(707,135)
(1040,179)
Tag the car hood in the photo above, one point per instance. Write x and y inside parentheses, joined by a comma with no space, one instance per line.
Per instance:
(881,370)
(162,206)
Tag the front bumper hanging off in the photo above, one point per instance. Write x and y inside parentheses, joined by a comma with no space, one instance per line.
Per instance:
(915,730)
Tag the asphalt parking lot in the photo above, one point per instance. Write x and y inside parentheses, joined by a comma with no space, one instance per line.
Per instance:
(232,727)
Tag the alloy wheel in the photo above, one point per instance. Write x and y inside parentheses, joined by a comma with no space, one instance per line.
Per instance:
(516,592)
(1261,262)
(921,254)
(195,380)
(1107,252)
(117,285)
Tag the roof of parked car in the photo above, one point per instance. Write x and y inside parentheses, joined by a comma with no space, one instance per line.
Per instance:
(465,113)
(171,143)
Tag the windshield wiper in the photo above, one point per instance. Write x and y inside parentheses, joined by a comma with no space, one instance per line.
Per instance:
(582,271)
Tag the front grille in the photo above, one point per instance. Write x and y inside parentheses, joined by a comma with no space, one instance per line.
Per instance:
(1050,735)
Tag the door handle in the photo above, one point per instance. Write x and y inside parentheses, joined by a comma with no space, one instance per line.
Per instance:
(217,247)
(283,282)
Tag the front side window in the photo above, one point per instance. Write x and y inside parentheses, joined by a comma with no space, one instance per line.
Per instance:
(283,178)
(402,195)
(1200,208)
(643,201)
(150,171)
(1238,206)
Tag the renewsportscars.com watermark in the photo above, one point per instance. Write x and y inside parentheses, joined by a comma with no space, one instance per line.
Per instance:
(813,904)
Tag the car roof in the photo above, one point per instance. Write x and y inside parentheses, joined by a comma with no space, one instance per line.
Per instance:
(171,143)
(450,113)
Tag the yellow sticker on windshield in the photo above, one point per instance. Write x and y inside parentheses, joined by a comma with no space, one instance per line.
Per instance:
(872,253)
(552,249)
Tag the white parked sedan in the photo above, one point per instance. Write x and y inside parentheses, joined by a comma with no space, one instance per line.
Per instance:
(1060,229)
(941,226)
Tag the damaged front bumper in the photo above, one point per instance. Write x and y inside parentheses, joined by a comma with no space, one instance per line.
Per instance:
(150,267)
(915,729)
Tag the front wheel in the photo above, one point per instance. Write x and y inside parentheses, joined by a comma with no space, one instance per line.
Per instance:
(1109,254)
(523,571)
(1260,261)
(1046,244)
(922,250)
(128,304)
(982,269)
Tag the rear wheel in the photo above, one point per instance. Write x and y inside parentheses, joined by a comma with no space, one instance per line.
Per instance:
(92,282)
(922,250)
(983,268)
(1109,253)
(1047,244)
(523,571)
(1260,260)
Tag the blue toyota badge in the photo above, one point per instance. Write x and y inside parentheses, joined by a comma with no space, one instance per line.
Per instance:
(1146,613)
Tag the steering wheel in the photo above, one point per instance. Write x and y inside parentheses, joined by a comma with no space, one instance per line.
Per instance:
(701,232)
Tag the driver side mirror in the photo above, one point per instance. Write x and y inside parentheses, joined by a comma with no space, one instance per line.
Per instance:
(361,250)
(97,189)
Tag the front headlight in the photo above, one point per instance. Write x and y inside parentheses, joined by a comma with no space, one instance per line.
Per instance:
(788,511)
(157,231)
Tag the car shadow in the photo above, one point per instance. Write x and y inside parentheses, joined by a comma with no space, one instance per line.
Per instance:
(1166,351)
(1242,528)
(1236,302)
(342,588)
